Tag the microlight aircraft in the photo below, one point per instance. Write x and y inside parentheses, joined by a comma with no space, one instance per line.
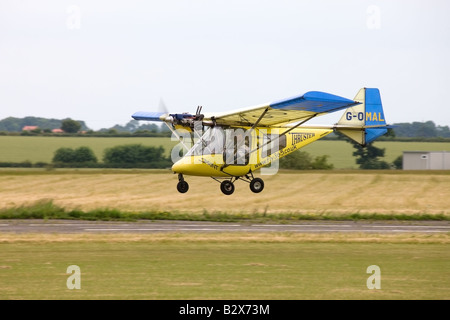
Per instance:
(231,146)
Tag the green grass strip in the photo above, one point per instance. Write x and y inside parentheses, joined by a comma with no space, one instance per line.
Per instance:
(48,210)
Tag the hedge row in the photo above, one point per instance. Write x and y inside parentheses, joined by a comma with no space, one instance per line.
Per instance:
(28,164)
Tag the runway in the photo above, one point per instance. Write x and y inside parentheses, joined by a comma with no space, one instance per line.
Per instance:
(77,226)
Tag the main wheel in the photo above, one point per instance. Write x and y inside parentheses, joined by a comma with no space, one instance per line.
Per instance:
(227,187)
(257,185)
(182,186)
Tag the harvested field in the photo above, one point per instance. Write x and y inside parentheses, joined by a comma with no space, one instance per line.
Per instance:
(326,192)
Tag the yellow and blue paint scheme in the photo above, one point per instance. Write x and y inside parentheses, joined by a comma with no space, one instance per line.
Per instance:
(261,152)
(265,135)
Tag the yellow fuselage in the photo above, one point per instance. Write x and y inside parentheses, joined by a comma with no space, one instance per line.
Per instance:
(264,145)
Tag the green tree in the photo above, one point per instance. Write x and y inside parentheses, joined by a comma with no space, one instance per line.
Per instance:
(367,157)
(321,163)
(298,160)
(70,126)
(72,156)
(136,155)
(84,154)
(398,162)
(63,155)
(417,130)
(301,160)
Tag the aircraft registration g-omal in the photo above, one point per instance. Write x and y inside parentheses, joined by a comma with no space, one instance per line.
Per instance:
(231,146)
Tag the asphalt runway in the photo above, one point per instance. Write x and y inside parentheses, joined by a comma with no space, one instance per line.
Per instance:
(77,226)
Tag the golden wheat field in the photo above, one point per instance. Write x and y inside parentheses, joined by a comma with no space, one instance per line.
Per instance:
(319,192)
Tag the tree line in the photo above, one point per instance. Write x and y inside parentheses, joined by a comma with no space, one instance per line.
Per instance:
(43,126)
(139,156)
(426,129)
(11,125)
(123,156)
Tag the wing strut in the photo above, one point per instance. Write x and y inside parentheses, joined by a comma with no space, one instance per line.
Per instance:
(177,136)
(297,125)
(260,118)
(252,128)
(284,133)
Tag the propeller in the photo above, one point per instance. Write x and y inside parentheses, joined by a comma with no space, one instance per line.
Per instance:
(163,114)
(162,107)
(171,120)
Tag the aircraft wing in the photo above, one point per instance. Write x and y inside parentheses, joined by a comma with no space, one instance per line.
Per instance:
(294,109)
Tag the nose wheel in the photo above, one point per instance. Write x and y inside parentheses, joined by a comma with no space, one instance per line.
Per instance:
(182,185)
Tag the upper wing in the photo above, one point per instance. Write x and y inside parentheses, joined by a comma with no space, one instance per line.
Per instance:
(285,111)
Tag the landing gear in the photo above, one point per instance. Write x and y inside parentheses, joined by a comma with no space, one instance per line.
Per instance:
(227,187)
(257,185)
(182,185)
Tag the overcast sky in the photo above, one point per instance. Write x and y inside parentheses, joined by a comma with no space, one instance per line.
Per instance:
(100,61)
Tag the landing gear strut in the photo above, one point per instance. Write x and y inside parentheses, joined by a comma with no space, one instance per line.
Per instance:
(227,186)
(182,185)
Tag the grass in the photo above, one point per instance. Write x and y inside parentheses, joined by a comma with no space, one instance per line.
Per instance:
(261,266)
(223,266)
(48,210)
(35,149)
(220,265)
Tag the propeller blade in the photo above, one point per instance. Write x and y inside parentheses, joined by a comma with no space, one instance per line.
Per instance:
(162,107)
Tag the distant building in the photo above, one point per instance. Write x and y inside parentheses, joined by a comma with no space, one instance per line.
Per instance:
(57,131)
(30,128)
(426,160)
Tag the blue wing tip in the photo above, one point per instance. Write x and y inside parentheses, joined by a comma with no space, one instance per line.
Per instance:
(149,116)
(315,101)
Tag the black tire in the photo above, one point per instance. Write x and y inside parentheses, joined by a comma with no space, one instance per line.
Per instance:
(227,187)
(182,186)
(257,185)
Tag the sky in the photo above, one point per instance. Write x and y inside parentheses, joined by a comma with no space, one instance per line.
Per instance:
(101,61)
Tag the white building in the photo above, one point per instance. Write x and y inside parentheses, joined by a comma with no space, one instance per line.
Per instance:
(426,160)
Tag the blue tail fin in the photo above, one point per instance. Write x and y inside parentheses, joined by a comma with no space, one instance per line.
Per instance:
(374,115)
(364,122)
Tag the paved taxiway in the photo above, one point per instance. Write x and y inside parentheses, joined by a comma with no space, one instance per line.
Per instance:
(76,226)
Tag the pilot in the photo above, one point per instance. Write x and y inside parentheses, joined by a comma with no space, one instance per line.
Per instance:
(242,148)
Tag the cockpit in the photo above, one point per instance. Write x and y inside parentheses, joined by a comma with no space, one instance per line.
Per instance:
(232,144)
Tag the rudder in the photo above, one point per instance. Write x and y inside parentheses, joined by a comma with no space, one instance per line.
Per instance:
(364,122)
